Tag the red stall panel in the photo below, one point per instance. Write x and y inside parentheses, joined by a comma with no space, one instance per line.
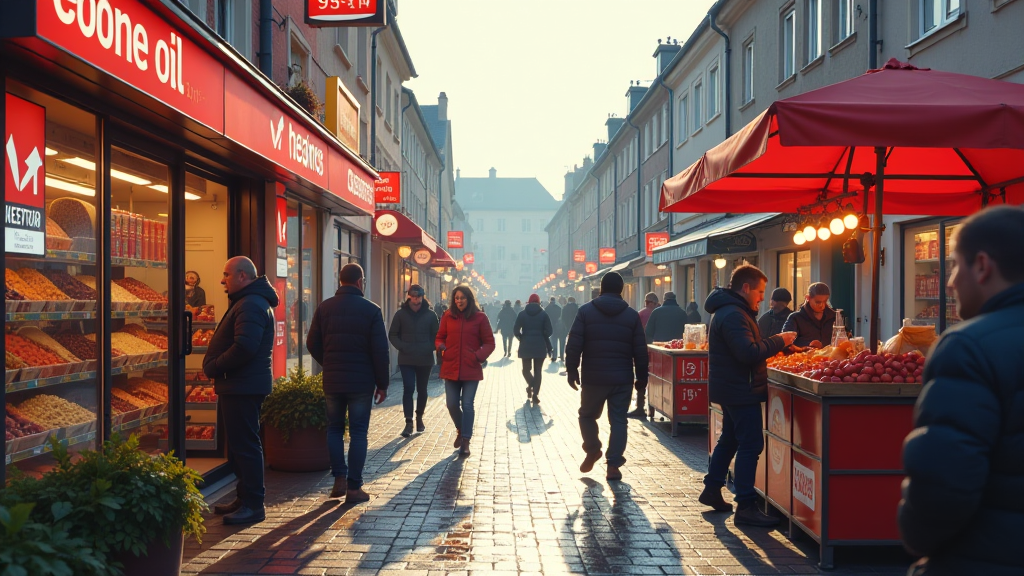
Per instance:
(863,507)
(761,476)
(807,425)
(778,466)
(780,413)
(692,369)
(691,399)
(806,490)
(868,436)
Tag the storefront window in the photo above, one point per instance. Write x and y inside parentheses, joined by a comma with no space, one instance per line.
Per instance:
(302,291)
(348,248)
(795,273)
(928,265)
(689,284)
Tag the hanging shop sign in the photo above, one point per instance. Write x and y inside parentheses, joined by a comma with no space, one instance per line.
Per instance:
(579,255)
(24,187)
(606,256)
(455,239)
(386,225)
(590,267)
(129,41)
(468,258)
(388,188)
(422,256)
(341,113)
(655,240)
(326,13)
(572,274)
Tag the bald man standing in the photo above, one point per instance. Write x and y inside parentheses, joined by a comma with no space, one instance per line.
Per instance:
(239,361)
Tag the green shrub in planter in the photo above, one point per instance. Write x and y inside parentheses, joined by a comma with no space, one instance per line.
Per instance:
(297,401)
(31,548)
(117,499)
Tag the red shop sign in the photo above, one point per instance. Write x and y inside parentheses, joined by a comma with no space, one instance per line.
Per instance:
(388,188)
(591,267)
(579,255)
(654,240)
(468,258)
(135,45)
(455,239)
(572,274)
(606,256)
(24,148)
(350,182)
(325,13)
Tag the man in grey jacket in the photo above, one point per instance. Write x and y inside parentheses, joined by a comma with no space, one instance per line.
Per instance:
(412,333)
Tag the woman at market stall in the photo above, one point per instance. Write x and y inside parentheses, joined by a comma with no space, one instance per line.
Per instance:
(814,321)
(464,341)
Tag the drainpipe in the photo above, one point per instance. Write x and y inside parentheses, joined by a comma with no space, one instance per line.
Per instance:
(266,38)
(639,165)
(598,190)
(712,14)
(873,41)
(373,95)
(440,196)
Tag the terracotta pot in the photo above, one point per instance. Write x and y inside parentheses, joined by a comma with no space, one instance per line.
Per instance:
(160,560)
(305,450)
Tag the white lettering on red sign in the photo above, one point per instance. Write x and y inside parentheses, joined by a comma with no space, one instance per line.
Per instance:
(803,484)
(360,187)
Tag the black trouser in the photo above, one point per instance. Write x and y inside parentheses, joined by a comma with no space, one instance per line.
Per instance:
(592,401)
(241,414)
(506,340)
(414,378)
(533,378)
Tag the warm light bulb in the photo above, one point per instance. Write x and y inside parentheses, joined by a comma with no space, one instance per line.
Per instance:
(657,281)
(850,221)
(824,233)
(809,232)
(404,251)
(799,239)
(836,226)
(720,263)
(668,278)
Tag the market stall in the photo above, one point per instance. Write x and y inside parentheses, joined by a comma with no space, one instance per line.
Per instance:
(677,385)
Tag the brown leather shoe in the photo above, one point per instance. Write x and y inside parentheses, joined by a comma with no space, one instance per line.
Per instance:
(458,438)
(340,487)
(590,460)
(356,496)
(229,508)
(614,473)
(464,450)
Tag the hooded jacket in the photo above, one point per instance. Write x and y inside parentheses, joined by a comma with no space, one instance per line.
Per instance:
(239,359)
(554,312)
(963,498)
(808,328)
(569,312)
(693,314)
(468,342)
(347,337)
(609,337)
(412,333)
(771,322)
(737,355)
(666,323)
(533,330)
(506,320)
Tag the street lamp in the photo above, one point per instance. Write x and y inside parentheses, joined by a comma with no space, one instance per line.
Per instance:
(720,262)
(404,251)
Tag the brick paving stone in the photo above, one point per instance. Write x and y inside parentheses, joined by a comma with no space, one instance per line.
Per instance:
(518,505)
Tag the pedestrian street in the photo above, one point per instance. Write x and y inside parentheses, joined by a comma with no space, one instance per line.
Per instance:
(517,505)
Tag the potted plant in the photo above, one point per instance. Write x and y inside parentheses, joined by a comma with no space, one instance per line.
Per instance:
(305,97)
(132,508)
(295,423)
(30,547)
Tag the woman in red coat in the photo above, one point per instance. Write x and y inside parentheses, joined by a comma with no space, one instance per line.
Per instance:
(464,341)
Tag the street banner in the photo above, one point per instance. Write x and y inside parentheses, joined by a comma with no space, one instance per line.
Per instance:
(455,239)
(606,256)
(654,240)
(467,258)
(24,185)
(388,189)
(579,255)
(334,13)
(591,267)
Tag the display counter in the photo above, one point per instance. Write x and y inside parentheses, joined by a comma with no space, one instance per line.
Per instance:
(833,462)
(677,386)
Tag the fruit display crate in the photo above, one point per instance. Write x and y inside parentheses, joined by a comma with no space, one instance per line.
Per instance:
(33,383)
(41,445)
(139,422)
(81,315)
(77,257)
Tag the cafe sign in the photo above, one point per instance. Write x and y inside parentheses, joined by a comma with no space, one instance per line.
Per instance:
(24,149)
(327,13)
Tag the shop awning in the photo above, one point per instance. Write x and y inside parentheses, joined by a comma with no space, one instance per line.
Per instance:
(721,237)
(596,275)
(442,259)
(626,267)
(396,228)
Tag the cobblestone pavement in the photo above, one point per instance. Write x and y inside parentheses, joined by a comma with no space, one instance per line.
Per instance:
(517,505)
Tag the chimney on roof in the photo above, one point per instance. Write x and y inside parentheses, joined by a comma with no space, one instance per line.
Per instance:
(613,125)
(569,180)
(458,173)
(599,148)
(442,107)
(635,94)
(492,173)
(664,54)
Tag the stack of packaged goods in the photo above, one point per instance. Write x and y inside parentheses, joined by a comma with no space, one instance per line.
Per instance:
(136,237)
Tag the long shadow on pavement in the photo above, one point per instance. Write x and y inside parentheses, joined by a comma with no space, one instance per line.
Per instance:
(528,421)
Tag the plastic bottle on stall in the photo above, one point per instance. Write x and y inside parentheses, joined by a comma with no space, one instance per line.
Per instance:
(839,330)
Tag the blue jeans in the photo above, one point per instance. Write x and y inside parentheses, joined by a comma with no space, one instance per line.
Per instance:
(460,395)
(741,437)
(358,406)
(414,378)
(592,401)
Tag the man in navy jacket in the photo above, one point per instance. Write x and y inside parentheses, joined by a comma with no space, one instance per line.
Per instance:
(609,337)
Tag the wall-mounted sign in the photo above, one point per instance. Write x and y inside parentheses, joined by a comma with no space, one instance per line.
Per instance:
(455,239)
(341,113)
(350,182)
(468,258)
(606,256)
(655,240)
(579,255)
(590,267)
(386,224)
(388,189)
(24,185)
(422,256)
(282,237)
(324,13)
(572,274)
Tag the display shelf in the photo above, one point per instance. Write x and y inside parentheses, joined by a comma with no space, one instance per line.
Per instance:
(53,381)
(200,405)
(83,315)
(138,367)
(45,447)
(139,422)
(931,260)
(162,325)
(138,314)
(136,263)
(200,349)
(72,257)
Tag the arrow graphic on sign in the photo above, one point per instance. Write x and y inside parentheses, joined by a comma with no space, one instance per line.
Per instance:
(32,163)
(276,134)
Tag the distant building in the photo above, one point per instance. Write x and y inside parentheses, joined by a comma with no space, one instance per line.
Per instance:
(508,217)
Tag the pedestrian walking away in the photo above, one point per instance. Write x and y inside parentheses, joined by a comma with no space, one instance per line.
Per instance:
(962,506)
(412,332)
(693,314)
(554,312)
(561,330)
(506,325)
(666,323)
(533,330)
(738,381)
(348,339)
(814,320)
(607,338)
(650,303)
(771,322)
(464,341)
(239,361)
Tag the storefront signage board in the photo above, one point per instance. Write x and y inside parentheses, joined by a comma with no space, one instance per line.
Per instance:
(606,256)
(684,252)
(327,13)
(341,113)
(130,42)
(388,188)
(280,357)
(655,240)
(572,274)
(350,182)
(468,258)
(590,267)
(455,239)
(579,255)
(24,186)
(422,256)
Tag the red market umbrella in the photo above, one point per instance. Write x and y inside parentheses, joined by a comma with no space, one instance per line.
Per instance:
(926,142)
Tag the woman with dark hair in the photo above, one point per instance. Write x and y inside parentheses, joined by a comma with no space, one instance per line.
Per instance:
(506,323)
(464,341)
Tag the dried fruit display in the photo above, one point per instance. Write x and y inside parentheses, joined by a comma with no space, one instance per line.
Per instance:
(46,342)
(140,290)
(30,352)
(128,343)
(13,362)
(865,367)
(81,346)
(156,338)
(53,412)
(202,394)
(135,402)
(77,218)
(11,294)
(121,406)
(17,425)
(117,293)
(143,388)
(202,337)
(17,285)
(56,239)
(69,285)
(40,288)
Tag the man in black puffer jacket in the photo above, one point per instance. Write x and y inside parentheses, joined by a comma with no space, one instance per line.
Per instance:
(738,381)
(412,333)
(347,337)
(963,498)
(239,360)
(609,337)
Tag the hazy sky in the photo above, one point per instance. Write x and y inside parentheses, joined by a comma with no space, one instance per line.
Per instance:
(530,83)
